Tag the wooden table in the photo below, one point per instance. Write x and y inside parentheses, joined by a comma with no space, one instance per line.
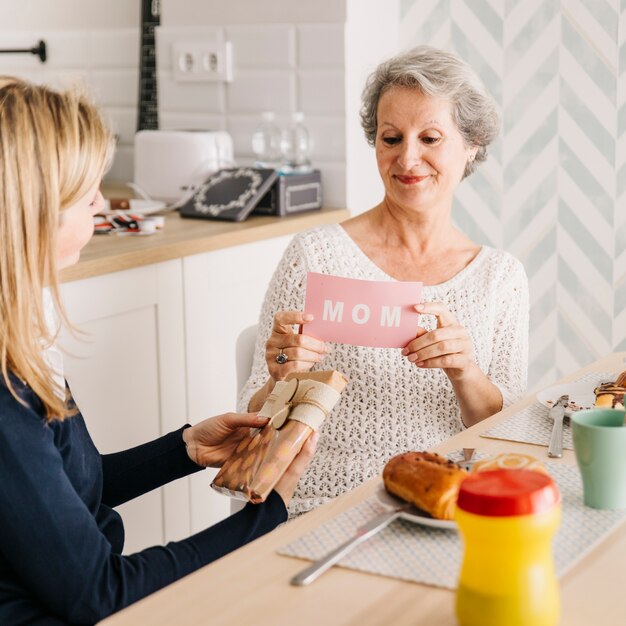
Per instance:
(251,586)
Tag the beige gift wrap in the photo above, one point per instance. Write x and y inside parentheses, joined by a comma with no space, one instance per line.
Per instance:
(296,407)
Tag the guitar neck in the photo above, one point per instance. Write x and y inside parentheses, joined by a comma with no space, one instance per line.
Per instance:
(147,117)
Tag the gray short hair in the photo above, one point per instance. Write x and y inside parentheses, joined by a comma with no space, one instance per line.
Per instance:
(442,75)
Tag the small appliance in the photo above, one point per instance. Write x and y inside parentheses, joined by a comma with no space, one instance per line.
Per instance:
(170,164)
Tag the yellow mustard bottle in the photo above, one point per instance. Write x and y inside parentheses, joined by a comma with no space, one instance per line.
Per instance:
(507,519)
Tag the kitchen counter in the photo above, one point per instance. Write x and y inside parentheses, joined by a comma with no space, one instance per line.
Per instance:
(184,236)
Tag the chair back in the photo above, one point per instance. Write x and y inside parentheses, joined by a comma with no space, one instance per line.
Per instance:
(244,354)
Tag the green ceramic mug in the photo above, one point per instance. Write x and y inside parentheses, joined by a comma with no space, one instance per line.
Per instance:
(600,446)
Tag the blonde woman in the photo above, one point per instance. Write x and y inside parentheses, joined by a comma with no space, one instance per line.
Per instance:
(60,539)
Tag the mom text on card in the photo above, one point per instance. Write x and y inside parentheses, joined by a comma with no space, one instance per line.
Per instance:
(362,312)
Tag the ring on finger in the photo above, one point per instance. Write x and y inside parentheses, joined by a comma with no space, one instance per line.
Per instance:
(281,357)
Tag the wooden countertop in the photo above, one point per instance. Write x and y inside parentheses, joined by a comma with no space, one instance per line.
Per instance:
(183,236)
(251,585)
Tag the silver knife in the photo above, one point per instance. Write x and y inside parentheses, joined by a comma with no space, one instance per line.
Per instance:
(313,571)
(557,413)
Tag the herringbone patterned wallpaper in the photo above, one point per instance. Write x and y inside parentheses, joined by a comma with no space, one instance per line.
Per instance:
(554,189)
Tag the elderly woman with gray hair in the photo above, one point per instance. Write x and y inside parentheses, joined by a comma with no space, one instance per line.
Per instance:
(430,121)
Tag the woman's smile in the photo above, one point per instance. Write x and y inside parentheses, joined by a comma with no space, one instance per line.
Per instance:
(411,180)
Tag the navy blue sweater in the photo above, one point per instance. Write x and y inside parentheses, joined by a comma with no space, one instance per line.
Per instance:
(61,540)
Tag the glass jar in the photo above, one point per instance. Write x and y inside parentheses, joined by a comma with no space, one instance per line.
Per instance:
(296,147)
(267,142)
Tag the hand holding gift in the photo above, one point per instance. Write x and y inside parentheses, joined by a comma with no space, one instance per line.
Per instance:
(296,408)
(210,442)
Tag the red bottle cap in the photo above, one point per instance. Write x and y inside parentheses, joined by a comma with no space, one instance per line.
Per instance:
(500,493)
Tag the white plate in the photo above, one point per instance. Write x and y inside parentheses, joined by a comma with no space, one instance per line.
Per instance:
(413,514)
(581,396)
(141,207)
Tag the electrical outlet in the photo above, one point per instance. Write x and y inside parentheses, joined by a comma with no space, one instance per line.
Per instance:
(199,61)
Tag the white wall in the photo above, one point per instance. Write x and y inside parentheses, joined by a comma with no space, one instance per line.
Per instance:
(284,67)
(91,43)
(277,67)
(203,12)
(372,34)
(553,190)
(68,15)
(288,56)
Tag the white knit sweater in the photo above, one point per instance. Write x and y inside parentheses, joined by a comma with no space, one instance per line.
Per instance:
(390,405)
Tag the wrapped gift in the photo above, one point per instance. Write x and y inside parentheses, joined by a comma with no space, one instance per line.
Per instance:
(296,407)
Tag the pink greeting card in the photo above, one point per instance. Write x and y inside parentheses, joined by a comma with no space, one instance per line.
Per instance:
(373,313)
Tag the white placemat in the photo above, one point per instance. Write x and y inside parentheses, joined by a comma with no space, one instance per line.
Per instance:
(430,556)
(532,424)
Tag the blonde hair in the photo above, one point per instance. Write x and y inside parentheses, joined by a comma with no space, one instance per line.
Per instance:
(54,147)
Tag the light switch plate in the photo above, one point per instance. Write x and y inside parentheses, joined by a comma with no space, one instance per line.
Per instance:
(201,61)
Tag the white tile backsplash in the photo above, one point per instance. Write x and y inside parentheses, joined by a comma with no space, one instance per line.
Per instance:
(271,47)
(191,121)
(117,49)
(196,97)
(68,79)
(276,67)
(116,87)
(123,122)
(333,184)
(240,128)
(122,168)
(104,62)
(279,67)
(65,49)
(256,91)
(329,137)
(34,75)
(321,45)
(321,91)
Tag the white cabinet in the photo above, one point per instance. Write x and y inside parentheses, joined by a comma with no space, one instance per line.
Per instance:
(224,291)
(126,368)
(158,350)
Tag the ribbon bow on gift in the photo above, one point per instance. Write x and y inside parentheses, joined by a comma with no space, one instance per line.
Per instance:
(306,401)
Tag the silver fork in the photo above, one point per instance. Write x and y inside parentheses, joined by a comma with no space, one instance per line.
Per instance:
(557,413)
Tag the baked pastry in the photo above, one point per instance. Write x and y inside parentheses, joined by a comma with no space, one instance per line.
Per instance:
(510,460)
(611,395)
(426,480)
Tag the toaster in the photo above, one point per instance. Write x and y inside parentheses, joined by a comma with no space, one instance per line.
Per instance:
(170,164)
